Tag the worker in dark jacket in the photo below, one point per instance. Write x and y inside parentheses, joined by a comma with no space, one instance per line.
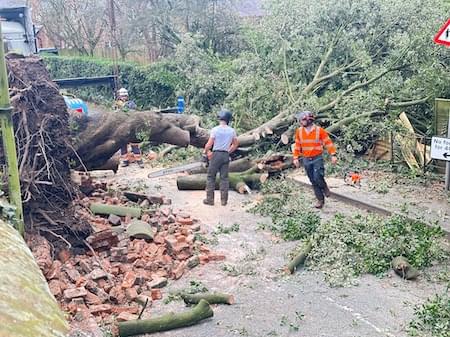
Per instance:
(310,139)
(125,104)
(222,141)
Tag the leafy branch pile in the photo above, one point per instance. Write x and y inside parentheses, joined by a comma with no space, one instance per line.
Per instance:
(345,247)
(291,218)
(432,319)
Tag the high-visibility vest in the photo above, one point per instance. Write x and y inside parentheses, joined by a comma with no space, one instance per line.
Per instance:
(311,144)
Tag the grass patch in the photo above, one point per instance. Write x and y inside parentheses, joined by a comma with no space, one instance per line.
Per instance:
(432,319)
(286,206)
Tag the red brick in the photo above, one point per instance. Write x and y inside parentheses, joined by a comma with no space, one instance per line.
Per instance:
(181,238)
(72,273)
(158,239)
(85,266)
(179,270)
(124,268)
(151,249)
(75,292)
(142,277)
(203,258)
(131,293)
(132,309)
(80,282)
(139,263)
(92,299)
(55,288)
(216,257)
(101,308)
(129,280)
(204,249)
(64,255)
(131,257)
(55,270)
(126,316)
(185,221)
(98,274)
(105,285)
(156,294)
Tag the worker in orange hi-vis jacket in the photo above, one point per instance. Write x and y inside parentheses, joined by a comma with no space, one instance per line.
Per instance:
(310,139)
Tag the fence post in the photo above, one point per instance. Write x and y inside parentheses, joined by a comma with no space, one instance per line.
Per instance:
(9,144)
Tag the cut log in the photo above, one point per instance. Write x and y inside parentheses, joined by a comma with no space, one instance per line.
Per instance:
(300,259)
(211,298)
(27,306)
(403,269)
(167,322)
(238,165)
(288,136)
(97,208)
(138,229)
(137,197)
(198,181)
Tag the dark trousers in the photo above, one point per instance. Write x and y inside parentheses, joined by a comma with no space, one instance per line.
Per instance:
(134,149)
(315,171)
(219,162)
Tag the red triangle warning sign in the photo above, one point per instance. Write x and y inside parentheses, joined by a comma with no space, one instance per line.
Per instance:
(443,36)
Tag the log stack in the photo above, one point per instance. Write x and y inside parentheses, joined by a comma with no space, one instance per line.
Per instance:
(246,174)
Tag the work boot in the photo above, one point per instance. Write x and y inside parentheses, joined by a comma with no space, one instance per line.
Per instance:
(140,163)
(223,197)
(319,204)
(208,202)
(326,191)
(124,163)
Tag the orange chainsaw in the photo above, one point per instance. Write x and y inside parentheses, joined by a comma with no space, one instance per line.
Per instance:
(353,178)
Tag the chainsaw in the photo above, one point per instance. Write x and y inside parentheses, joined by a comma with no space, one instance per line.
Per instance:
(202,163)
(353,178)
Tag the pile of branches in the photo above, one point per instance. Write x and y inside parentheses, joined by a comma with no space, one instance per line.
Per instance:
(40,121)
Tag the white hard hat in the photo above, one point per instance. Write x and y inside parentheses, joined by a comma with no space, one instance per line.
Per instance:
(123,92)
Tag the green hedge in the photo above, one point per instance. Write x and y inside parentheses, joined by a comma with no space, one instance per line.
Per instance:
(149,86)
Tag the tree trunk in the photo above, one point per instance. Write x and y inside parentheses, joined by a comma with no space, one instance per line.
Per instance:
(167,322)
(103,135)
(240,182)
(27,306)
(239,165)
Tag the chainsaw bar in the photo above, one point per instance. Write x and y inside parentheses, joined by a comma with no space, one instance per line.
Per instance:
(176,169)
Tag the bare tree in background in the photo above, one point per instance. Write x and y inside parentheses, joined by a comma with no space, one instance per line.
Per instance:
(79,24)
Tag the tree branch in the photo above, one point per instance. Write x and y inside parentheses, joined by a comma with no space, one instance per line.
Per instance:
(345,121)
(405,104)
(345,93)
